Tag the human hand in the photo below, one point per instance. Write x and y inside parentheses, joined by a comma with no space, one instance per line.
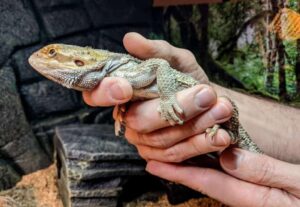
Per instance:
(113,91)
(252,179)
(151,135)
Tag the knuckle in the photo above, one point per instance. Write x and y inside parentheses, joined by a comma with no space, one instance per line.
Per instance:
(133,138)
(160,46)
(226,103)
(265,173)
(220,112)
(187,54)
(194,126)
(134,123)
(172,155)
(266,198)
(181,55)
(142,153)
(142,138)
(164,43)
(156,141)
(195,144)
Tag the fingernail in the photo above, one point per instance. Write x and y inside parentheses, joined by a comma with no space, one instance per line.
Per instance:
(220,140)
(220,112)
(205,98)
(119,91)
(231,158)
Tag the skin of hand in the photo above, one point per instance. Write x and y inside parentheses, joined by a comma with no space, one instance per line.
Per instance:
(251,179)
(153,137)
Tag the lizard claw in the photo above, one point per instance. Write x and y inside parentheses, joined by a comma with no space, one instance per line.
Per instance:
(169,110)
(211,132)
(119,122)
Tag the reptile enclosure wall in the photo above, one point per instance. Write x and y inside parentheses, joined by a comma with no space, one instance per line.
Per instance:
(31,106)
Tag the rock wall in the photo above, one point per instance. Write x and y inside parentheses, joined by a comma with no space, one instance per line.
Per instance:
(31,106)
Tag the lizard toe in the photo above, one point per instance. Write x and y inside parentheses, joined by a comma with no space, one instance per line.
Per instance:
(174,116)
(177,108)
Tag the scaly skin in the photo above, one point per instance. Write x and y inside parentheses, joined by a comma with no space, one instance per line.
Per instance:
(82,68)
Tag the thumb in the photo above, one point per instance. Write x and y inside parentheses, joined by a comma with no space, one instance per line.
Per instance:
(111,91)
(261,169)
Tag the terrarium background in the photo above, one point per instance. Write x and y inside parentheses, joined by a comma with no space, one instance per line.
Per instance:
(30,105)
(228,39)
(233,38)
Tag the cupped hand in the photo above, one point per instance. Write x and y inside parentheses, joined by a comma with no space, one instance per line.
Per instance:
(252,179)
(153,137)
(114,91)
(156,140)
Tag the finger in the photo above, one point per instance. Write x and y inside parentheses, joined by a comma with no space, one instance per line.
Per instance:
(143,117)
(261,169)
(178,58)
(111,91)
(169,136)
(192,147)
(227,189)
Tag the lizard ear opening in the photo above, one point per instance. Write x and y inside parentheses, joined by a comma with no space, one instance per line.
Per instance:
(79,63)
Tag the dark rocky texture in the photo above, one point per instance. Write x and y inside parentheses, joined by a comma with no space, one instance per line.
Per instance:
(79,171)
(65,21)
(107,187)
(177,194)
(17,142)
(46,97)
(94,165)
(113,12)
(94,202)
(8,175)
(111,38)
(75,142)
(111,167)
(24,71)
(46,4)
(85,39)
(18,26)
(44,130)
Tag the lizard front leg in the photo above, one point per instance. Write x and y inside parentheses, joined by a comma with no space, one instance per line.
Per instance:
(169,82)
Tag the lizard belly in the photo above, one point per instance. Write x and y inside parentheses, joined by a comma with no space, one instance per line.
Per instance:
(149,92)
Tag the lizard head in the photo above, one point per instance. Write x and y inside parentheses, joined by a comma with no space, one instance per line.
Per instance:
(66,64)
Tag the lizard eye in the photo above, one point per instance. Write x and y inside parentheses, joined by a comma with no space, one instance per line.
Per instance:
(52,52)
(79,63)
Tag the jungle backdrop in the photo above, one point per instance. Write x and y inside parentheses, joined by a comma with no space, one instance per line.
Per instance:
(233,43)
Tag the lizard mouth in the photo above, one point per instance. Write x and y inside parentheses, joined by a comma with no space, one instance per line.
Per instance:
(37,63)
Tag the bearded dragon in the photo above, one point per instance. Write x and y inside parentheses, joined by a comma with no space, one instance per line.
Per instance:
(82,68)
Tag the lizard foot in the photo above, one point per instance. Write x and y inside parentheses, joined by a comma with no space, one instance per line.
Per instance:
(119,122)
(170,111)
(211,132)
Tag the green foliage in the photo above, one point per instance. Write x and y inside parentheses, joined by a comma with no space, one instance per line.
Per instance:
(175,33)
(247,66)
(293,4)
(155,36)
(226,19)
(246,62)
